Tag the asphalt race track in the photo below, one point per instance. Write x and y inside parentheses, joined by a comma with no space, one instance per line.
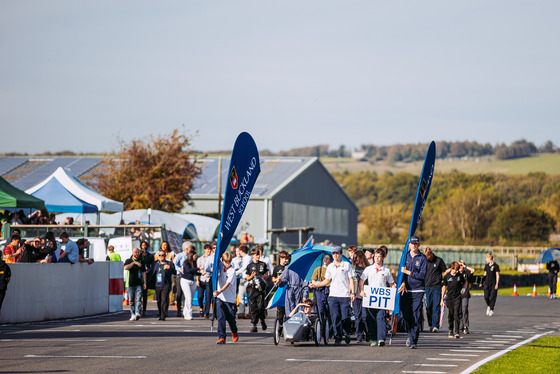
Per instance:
(110,343)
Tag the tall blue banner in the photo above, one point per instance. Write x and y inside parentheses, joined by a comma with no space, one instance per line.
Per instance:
(244,169)
(421,197)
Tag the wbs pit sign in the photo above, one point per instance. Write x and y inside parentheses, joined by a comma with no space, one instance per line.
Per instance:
(379,298)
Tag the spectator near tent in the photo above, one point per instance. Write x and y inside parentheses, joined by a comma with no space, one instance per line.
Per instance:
(10,251)
(71,252)
(82,245)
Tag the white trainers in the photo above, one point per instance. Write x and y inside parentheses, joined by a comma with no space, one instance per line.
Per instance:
(488,311)
(138,316)
(491,313)
(133,318)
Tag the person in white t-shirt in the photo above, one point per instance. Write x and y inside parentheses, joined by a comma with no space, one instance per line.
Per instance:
(225,299)
(377,275)
(339,276)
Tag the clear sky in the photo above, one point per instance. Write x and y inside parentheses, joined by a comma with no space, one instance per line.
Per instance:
(77,75)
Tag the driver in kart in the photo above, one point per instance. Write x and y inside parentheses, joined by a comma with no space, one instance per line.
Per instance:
(307,306)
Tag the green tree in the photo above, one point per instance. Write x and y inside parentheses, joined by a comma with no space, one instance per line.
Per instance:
(154,172)
(522,224)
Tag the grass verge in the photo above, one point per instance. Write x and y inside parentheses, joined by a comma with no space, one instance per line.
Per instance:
(539,356)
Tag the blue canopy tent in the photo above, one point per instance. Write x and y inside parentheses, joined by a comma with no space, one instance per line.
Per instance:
(59,199)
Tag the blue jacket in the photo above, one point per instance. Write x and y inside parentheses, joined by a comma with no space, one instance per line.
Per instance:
(417,266)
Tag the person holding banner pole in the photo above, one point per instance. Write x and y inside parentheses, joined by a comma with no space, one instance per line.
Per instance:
(377,275)
(339,276)
(412,291)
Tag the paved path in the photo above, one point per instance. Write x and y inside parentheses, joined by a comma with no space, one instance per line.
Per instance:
(108,343)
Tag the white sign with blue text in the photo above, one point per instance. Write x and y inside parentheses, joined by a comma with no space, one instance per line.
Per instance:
(379,298)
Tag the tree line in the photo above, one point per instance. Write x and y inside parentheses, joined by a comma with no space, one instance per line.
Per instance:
(416,152)
(462,209)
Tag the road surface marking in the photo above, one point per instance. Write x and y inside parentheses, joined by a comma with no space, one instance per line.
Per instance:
(502,352)
(355,361)
(54,356)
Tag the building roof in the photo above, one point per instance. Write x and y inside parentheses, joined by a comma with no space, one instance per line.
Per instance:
(276,172)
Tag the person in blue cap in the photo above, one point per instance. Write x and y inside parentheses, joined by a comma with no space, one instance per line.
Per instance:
(412,290)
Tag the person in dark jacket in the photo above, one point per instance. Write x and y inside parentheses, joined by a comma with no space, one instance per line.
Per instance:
(552,267)
(412,291)
(188,282)
(162,274)
(5,275)
(435,267)
(147,258)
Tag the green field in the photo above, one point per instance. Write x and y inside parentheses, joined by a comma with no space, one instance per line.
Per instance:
(548,163)
(539,356)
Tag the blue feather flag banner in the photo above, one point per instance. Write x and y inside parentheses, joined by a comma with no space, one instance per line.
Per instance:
(421,197)
(244,168)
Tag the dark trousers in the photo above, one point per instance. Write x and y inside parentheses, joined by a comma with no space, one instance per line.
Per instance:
(454,314)
(552,279)
(162,296)
(205,297)
(2,295)
(465,313)
(225,312)
(376,324)
(433,306)
(339,307)
(490,296)
(281,313)
(411,308)
(321,300)
(179,296)
(256,304)
(145,298)
(359,318)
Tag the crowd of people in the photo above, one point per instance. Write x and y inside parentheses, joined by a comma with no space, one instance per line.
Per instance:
(45,249)
(337,287)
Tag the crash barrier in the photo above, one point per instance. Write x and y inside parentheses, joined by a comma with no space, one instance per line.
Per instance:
(116,286)
(39,292)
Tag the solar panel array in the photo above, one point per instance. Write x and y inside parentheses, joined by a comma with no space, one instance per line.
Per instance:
(24,172)
(274,172)
(9,163)
(35,170)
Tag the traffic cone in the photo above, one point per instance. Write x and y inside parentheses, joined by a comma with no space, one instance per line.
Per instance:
(548,293)
(534,290)
(514,290)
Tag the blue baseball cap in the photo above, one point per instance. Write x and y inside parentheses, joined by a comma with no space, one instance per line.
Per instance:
(337,250)
(414,239)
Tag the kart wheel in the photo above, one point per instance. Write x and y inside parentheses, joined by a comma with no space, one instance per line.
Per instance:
(318,332)
(326,331)
(277,331)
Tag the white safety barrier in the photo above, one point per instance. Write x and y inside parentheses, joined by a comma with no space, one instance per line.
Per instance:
(39,292)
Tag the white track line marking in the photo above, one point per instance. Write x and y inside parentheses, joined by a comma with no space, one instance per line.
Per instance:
(446,359)
(489,341)
(53,356)
(438,365)
(54,340)
(467,350)
(353,361)
(508,336)
(457,355)
(424,372)
(496,355)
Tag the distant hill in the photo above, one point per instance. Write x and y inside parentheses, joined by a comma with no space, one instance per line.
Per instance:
(544,162)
